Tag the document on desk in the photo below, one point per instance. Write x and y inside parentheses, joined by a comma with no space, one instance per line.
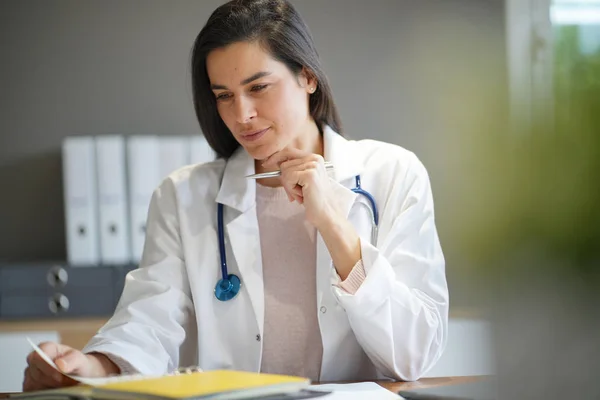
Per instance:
(356,391)
(347,391)
(86,381)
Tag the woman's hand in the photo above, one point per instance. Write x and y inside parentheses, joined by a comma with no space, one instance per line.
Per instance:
(305,179)
(40,375)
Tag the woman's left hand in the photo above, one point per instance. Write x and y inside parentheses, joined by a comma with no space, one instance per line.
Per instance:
(305,179)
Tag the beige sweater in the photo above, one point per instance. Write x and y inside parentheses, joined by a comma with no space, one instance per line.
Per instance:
(292,339)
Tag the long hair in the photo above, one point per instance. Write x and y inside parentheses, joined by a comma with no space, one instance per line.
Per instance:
(278,27)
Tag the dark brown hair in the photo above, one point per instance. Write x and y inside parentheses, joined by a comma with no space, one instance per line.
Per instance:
(278,27)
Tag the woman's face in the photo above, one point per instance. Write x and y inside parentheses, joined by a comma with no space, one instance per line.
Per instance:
(262,103)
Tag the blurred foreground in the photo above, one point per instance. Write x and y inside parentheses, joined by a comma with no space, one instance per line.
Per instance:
(528,228)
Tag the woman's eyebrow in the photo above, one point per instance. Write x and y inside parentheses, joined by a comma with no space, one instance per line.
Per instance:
(254,77)
(246,81)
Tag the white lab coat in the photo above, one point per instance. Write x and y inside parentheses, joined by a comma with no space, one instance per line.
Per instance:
(394,326)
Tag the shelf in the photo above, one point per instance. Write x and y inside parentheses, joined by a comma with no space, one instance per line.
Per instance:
(74,332)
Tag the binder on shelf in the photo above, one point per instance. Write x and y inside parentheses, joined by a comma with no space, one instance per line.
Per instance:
(143,164)
(174,154)
(80,201)
(112,200)
(150,159)
(200,151)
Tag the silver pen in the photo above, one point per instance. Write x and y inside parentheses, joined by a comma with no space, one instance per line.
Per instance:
(272,174)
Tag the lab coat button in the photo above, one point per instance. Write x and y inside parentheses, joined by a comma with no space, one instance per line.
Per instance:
(323,309)
(258,338)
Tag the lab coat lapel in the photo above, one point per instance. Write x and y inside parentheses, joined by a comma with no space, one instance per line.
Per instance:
(343,153)
(347,163)
(239,195)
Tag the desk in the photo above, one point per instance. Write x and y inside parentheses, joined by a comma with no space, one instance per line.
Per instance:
(397,386)
(429,382)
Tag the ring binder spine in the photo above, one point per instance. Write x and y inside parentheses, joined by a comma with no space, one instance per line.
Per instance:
(186,370)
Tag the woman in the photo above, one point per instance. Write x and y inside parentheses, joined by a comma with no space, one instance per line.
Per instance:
(317,297)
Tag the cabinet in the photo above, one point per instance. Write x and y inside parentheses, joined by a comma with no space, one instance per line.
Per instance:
(55,290)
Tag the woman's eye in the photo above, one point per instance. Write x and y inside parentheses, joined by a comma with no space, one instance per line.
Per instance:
(259,88)
(223,96)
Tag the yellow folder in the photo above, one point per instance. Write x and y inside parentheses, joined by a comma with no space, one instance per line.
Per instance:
(213,385)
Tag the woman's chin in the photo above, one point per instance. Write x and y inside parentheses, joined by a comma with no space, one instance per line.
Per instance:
(261,152)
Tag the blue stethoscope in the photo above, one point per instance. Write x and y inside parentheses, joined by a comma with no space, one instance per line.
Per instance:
(229,285)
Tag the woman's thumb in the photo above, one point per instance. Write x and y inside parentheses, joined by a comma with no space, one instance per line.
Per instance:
(70,361)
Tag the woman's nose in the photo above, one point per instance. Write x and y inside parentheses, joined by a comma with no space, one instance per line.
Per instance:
(244,110)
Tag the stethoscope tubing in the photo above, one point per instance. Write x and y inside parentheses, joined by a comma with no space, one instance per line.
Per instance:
(229,285)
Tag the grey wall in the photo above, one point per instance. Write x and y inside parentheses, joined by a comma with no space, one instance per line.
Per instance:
(397,67)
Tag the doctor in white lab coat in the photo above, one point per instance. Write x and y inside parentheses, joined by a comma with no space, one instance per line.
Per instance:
(264,103)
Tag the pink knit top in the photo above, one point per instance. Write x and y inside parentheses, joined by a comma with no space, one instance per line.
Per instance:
(292,339)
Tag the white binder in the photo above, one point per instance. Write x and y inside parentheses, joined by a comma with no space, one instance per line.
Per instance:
(112,200)
(200,151)
(174,154)
(80,201)
(150,160)
(143,163)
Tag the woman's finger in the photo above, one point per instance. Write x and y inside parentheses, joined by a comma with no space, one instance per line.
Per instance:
(291,164)
(289,180)
(52,378)
(38,363)
(29,384)
(297,191)
(295,174)
(289,196)
(41,379)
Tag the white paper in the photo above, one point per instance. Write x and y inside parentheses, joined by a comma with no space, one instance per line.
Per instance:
(356,391)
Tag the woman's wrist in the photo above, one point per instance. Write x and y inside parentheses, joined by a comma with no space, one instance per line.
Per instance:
(342,241)
(102,365)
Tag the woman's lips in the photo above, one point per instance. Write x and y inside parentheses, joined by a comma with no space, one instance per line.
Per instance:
(253,136)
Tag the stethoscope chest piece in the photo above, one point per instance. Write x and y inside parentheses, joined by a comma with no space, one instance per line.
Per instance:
(227,289)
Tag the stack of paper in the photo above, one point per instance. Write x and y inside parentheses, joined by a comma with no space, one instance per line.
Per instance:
(356,391)
(214,385)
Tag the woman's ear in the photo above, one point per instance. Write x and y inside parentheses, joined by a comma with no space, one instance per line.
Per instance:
(308,80)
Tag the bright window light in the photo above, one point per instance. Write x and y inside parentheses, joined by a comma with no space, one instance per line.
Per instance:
(578,2)
(575,12)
